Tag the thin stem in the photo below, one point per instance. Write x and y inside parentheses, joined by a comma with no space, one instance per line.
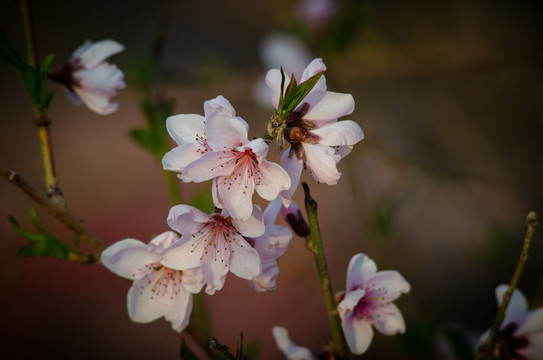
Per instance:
(58,211)
(51,183)
(314,243)
(488,348)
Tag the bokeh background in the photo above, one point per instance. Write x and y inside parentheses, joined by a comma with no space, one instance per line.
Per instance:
(450,97)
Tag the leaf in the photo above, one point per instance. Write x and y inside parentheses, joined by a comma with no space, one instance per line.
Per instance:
(295,94)
(42,244)
(185,353)
(145,139)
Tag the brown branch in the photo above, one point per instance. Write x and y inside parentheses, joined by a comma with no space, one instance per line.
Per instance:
(59,212)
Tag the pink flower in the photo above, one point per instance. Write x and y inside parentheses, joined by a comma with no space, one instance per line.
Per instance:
(270,245)
(317,139)
(287,347)
(188,131)
(215,243)
(237,166)
(521,332)
(90,79)
(368,302)
(157,290)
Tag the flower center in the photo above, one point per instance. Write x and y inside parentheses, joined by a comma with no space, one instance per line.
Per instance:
(244,169)
(162,280)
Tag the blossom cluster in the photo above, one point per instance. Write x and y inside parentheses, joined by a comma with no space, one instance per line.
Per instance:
(237,236)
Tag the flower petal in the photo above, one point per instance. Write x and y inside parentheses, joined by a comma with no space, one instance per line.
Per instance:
(178,158)
(144,305)
(237,194)
(183,255)
(126,257)
(350,301)
(345,132)
(185,128)
(390,320)
(252,226)
(225,132)
(358,333)
(219,104)
(532,322)
(98,52)
(186,219)
(179,310)
(314,67)
(97,102)
(360,269)
(534,350)
(386,285)
(327,106)
(287,347)
(293,166)
(273,79)
(210,165)
(244,260)
(517,305)
(321,160)
(215,266)
(273,180)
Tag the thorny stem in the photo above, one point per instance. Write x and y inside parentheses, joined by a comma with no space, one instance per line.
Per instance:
(314,243)
(42,122)
(56,210)
(488,350)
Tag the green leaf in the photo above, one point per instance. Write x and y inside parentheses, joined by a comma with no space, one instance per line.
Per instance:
(300,92)
(203,201)
(42,244)
(185,353)
(47,247)
(281,95)
(145,139)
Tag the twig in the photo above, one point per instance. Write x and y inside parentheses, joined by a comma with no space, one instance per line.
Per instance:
(60,212)
(314,243)
(486,350)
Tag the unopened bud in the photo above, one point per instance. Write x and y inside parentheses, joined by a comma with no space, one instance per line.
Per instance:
(293,216)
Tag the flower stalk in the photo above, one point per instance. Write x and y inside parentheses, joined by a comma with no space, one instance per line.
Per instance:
(488,350)
(42,122)
(314,244)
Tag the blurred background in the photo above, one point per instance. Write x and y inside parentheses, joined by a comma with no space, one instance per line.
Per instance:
(448,93)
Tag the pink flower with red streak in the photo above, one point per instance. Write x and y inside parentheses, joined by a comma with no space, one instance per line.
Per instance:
(318,140)
(237,166)
(157,291)
(367,302)
(90,79)
(215,243)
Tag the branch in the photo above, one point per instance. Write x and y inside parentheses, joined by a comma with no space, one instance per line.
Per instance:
(61,213)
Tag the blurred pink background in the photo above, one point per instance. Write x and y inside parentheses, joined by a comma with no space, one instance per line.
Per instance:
(449,95)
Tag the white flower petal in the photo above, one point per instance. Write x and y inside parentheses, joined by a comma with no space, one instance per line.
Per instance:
(517,305)
(244,260)
(179,311)
(186,219)
(532,322)
(126,257)
(350,301)
(360,269)
(534,350)
(387,285)
(225,132)
(327,106)
(219,104)
(210,165)
(358,333)
(144,305)
(95,53)
(97,102)
(237,195)
(178,158)
(272,210)
(215,266)
(183,255)
(252,226)
(314,67)
(391,321)
(345,132)
(293,166)
(287,347)
(273,180)
(185,128)
(321,160)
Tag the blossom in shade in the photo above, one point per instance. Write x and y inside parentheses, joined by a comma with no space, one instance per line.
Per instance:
(318,140)
(157,291)
(215,243)
(188,131)
(521,332)
(270,245)
(367,302)
(237,166)
(287,347)
(89,79)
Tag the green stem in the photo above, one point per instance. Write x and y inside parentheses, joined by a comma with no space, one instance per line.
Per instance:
(314,243)
(489,349)
(51,183)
